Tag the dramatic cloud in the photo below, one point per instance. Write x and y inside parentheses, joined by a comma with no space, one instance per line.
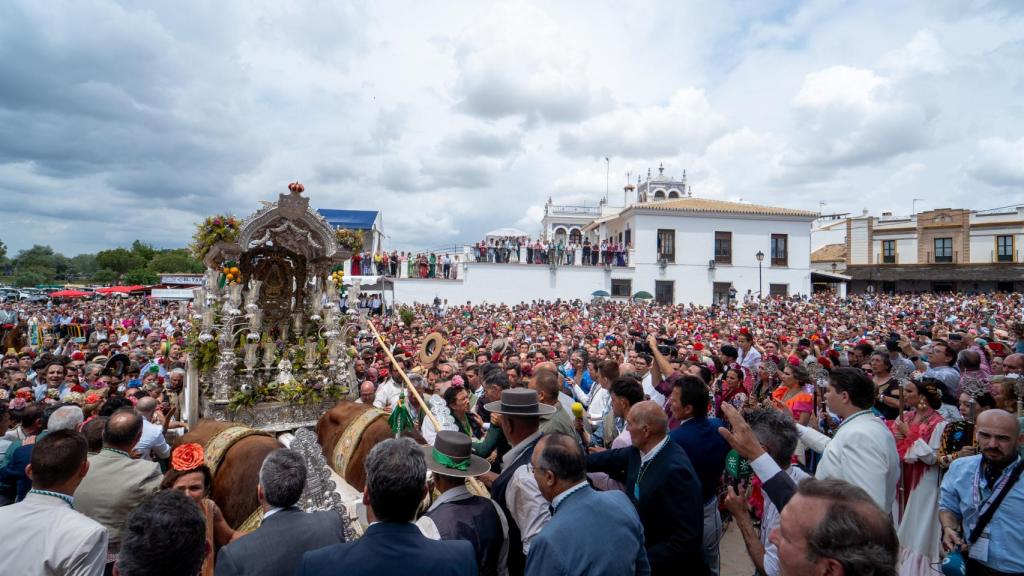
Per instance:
(125,120)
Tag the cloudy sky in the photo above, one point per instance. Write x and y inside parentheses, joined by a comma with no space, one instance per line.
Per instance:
(124,120)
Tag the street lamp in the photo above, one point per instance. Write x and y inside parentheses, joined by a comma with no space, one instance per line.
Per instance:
(760,258)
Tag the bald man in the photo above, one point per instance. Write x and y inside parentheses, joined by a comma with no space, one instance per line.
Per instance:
(367,392)
(152,441)
(662,484)
(973,480)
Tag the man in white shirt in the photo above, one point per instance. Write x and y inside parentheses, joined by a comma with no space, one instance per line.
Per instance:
(152,440)
(43,533)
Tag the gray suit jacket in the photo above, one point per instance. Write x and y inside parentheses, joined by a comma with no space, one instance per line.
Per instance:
(114,486)
(277,546)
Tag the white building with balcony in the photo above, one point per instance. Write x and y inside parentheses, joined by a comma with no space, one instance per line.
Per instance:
(680,249)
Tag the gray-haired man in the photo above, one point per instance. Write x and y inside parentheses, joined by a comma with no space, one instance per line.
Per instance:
(277,546)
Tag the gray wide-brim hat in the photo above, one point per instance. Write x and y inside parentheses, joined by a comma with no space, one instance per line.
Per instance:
(452,451)
(519,402)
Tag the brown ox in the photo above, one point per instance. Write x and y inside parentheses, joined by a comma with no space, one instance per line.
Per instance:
(333,424)
(234,486)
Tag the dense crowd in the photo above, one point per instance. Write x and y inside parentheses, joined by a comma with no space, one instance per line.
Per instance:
(865,435)
(505,250)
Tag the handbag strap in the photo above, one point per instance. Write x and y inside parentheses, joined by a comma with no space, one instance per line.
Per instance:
(987,516)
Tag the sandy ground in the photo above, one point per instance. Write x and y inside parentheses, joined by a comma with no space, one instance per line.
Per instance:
(735,561)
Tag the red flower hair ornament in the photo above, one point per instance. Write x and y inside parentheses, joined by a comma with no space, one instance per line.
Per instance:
(187,457)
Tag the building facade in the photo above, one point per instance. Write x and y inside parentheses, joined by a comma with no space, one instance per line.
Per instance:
(940,250)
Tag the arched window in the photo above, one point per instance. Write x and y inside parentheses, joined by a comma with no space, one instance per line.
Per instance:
(560,235)
(575,237)
(659,194)
(673,193)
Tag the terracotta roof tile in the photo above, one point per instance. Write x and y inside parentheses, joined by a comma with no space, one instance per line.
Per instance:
(829,253)
(708,205)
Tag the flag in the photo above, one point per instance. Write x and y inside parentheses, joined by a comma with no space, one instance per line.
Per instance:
(400,419)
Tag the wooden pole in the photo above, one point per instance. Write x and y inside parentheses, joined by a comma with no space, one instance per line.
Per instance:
(477,486)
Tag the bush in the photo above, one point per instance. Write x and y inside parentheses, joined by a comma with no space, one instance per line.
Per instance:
(407,315)
(29,278)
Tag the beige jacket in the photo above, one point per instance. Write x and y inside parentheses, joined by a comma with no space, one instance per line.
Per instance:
(114,486)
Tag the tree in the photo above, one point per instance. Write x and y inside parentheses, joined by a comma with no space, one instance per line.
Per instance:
(178,260)
(119,260)
(3,251)
(104,276)
(141,276)
(83,266)
(144,251)
(39,257)
(29,278)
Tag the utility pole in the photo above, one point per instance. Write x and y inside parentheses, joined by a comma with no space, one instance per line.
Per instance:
(607,175)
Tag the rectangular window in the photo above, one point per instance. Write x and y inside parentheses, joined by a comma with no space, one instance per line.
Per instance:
(622,288)
(780,250)
(778,289)
(1004,248)
(943,249)
(723,247)
(888,251)
(667,245)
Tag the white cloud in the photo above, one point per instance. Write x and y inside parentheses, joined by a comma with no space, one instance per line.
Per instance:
(686,123)
(999,162)
(922,55)
(850,116)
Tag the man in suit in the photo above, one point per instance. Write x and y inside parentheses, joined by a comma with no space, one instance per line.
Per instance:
(43,534)
(661,482)
(286,533)
(862,452)
(459,515)
(699,438)
(117,483)
(392,545)
(566,545)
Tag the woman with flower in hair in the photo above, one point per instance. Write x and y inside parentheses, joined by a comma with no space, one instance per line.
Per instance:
(190,475)
(918,433)
(456,397)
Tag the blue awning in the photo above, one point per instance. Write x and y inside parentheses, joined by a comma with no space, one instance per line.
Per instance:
(351,219)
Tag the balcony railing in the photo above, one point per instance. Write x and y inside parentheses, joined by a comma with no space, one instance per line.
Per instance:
(577,210)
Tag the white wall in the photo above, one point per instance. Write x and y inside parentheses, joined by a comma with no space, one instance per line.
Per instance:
(693,281)
(859,241)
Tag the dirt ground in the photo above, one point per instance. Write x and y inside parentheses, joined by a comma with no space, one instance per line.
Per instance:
(735,561)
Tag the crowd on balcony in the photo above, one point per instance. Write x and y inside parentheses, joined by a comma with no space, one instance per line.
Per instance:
(523,250)
(403,264)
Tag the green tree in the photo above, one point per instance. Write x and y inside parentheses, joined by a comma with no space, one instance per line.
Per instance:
(83,266)
(39,257)
(119,260)
(142,250)
(141,276)
(3,251)
(178,260)
(104,276)
(30,277)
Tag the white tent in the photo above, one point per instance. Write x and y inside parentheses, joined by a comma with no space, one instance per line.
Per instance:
(503,232)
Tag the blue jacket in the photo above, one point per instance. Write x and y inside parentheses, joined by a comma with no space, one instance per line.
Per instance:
(276,547)
(670,505)
(707,451)
(563,548)
(392,549)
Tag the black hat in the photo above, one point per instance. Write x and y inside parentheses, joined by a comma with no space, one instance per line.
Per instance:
(519,402)
(452,455)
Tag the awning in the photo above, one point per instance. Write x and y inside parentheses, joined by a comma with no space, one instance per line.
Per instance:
(120,289)
(828,277)
(70,294)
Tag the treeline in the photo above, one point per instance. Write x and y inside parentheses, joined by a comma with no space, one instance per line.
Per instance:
(139,264)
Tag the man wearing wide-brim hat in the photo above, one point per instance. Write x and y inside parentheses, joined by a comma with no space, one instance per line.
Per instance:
(515,490)
(459,515)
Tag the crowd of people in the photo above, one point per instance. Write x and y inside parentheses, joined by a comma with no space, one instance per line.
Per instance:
(558,251)
(874,434)
(505,250)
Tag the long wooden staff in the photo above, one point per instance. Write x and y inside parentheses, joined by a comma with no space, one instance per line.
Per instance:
(415,393)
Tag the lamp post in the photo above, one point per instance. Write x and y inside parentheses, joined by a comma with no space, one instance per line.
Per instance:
(760,286)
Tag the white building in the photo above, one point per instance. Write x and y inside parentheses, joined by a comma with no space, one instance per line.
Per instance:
(680,249)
